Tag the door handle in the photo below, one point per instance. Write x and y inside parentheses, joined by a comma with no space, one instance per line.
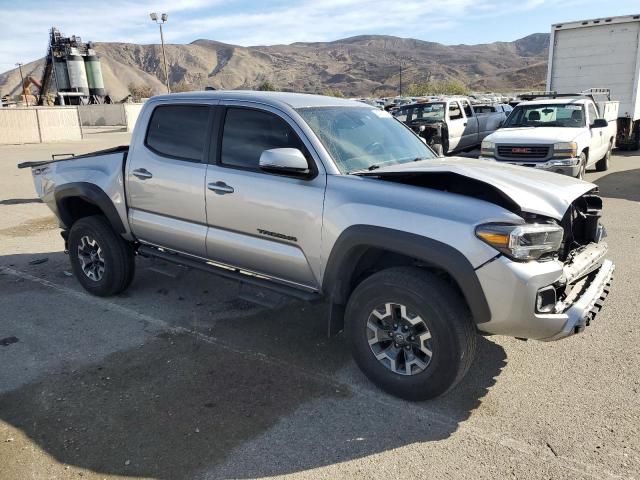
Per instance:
(220,188)
(464,124)
(142,173)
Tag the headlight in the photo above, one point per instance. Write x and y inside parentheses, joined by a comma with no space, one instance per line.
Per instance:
(522,242)
(487,148)
(565,149)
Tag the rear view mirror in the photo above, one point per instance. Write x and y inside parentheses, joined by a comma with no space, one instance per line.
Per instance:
(599,123)
(285,161)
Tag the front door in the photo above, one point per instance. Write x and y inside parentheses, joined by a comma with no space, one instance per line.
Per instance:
(470,134)
(599,144)
(165,179)
(264,223)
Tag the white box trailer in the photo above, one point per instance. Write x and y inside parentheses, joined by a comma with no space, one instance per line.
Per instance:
(602,53)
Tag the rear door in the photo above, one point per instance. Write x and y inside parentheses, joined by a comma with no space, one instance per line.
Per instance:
(470,134)
(165,178)
(264,223)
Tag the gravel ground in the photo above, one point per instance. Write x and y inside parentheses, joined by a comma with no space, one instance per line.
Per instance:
(180,378)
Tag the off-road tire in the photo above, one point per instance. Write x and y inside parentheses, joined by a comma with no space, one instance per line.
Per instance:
(603,164)
(440,306)
(119,260)
(583,166)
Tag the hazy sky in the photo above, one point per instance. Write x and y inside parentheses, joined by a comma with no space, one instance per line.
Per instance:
(24,25)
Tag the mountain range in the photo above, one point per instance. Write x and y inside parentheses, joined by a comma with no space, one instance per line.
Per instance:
(358,66)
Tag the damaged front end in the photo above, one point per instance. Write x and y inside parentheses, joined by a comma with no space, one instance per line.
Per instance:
(586,275)
(434,133)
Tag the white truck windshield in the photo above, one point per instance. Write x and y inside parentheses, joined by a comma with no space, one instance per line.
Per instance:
(569,115)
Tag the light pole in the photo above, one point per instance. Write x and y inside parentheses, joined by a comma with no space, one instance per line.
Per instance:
(24,93)
(402,63)
(163,18)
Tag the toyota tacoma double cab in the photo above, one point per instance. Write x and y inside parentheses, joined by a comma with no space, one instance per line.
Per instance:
(327,199)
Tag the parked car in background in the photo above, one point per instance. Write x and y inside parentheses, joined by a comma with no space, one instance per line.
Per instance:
(561,133)
(503,108)
(449,124)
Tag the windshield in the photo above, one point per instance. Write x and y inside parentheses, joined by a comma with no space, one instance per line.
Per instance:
(532,115)
(424,112)
(360,138)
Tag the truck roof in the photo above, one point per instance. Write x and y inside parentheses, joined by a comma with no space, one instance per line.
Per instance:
(292,100)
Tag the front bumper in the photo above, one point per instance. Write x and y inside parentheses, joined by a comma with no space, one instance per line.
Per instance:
(565,166)
(511,289)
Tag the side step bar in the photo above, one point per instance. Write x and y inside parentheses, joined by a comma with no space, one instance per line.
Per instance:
(232,274)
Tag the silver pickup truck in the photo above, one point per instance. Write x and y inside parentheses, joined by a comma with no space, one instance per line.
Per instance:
(321,198)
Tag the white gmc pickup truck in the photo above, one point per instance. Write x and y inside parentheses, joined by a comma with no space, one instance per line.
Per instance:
(564,134)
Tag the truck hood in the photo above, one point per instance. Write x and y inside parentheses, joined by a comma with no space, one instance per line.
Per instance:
(532,190)
(534,135)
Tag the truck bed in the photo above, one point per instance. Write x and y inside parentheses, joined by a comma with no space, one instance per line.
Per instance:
(108,151)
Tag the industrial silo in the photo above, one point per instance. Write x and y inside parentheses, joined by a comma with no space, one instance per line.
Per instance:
(94,74)
(77,73)
(60,71)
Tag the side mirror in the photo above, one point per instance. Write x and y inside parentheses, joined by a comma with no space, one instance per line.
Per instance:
(599,123)
(285,161)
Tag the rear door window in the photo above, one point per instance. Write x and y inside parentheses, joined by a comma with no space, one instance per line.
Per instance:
(454,111)
(179,131)
(592,113)
(467,108)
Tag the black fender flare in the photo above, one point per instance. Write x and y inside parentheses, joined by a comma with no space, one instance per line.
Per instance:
(92,194)
(354,241)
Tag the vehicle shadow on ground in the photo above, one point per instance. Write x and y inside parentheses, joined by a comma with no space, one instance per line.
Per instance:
(624,185)
(180,404)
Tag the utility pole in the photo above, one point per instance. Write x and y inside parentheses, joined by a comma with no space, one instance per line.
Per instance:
(163,18)
(24,93)
(402,63)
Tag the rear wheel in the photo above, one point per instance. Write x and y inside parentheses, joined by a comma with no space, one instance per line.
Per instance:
(101,260)
(603,164)
(410,333)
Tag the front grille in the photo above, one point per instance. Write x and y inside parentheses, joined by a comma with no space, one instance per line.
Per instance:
(523,151)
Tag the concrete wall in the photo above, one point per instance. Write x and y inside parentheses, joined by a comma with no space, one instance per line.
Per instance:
(132,110)
(101,115)
(18,125)
(39,124)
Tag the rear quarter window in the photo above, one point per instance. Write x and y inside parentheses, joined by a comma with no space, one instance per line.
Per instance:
(179,131)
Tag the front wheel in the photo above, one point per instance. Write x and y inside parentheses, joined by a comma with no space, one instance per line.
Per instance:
(410,332)
(101,260)
(582,163)
(603,164)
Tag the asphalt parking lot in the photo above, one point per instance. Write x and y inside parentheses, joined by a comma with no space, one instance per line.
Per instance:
(180,378)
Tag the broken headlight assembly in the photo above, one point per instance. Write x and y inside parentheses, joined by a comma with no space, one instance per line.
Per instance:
(522,242)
